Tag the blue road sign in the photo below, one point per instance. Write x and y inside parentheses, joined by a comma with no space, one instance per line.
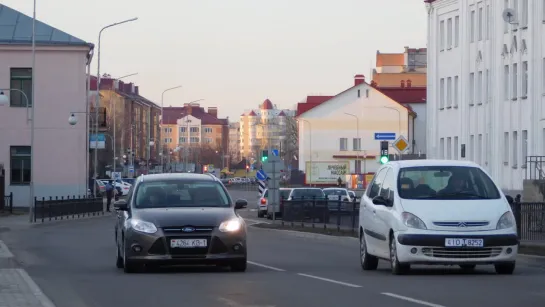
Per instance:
(131,169)
(261,175)
(385,136)
(275,152)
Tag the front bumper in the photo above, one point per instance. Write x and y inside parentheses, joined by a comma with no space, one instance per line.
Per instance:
(155,248)
(430,248)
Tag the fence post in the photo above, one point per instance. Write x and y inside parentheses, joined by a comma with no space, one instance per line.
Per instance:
(339,214)
(11,202)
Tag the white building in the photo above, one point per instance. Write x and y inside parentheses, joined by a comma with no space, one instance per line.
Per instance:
(337,136)
(486,85)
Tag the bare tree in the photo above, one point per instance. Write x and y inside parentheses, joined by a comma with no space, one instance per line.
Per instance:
(291,148)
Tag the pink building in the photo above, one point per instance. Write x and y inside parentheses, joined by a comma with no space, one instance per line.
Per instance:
(61,79)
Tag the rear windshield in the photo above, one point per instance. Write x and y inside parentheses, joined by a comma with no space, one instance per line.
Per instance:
(307,193)
(283,193)
(181,193)
(336,192)
(445,182)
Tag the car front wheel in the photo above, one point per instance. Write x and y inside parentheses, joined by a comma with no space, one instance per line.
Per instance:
(368,262)
(129,266)
(239,265)
(505,268)
(397,267)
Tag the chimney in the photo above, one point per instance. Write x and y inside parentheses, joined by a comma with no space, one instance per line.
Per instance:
(120,85)
(359,79)
(136,90)
(132,87)
(188,108)
(213,111)
(402,83)
(409,83)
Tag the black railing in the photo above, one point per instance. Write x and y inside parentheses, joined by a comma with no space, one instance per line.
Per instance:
(60,208)
(320,212)
(530,219)
(8,202)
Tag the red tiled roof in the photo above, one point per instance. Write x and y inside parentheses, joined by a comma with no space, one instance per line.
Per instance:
(312,101)
(252,113)
(281,113)
(172,114)
(405,95)
(267,105)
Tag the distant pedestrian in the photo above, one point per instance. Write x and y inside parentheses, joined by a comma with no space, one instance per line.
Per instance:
(109,194)
(340,182)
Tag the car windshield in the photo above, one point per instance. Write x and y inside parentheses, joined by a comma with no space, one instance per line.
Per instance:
(181,193)
(445,182)
(335,192)
(307,193)
(284,194)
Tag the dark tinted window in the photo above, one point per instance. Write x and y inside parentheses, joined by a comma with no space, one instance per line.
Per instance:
(307,193)
(388,186)
(337,192)
(375,186)
(285,193)
(445,182)
(180,193)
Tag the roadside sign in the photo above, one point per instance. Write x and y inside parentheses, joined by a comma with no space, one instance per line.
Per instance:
(275,152)
(401,144)
(131,169)
(385,136)
(261,175)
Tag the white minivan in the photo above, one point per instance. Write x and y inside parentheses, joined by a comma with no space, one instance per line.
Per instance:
(436,212)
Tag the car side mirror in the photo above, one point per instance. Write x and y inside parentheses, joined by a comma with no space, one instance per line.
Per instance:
(510,199)
(241,203)
(381,201)
(121,205)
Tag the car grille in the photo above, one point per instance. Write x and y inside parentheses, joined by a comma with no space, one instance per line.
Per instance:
(462,253)
(180,230)
(461,224)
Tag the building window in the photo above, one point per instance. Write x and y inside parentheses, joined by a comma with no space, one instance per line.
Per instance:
(515,149)
(357,166)
(449,91)
(480,87)
(449,33)
(506,82)
(343,144)
(524,78)
(442,148)
(182,130)
(442,93)
(208,140)
(20,164)
(359,94)
(506,148)
(366,93)
(472,28)
(488,25)
(515,80)
(194,139)
(471,88)
(449,148)
(21,79)
(524,13)
(486,86)
(168,130)
(481,19)
(356,144)
(194,129)
(480,149)
(524,147)
(182,140)
(471,148)
(505,24)
(207,130)
(456,91)
(456,31)
(455,148)
(442,33)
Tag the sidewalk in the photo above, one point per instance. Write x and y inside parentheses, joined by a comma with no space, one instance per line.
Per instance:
(17,287)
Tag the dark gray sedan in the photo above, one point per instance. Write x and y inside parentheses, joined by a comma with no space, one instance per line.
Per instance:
(172,219)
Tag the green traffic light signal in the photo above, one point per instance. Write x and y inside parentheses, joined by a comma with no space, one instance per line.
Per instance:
(384,159)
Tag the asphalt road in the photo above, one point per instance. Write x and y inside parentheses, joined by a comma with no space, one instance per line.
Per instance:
(73,263)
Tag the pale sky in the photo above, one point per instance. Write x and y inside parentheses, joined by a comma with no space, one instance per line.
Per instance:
(236,53)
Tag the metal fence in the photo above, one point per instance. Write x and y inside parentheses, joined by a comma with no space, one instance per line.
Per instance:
(318,212)
(8,202)
(530,219)
(66,208)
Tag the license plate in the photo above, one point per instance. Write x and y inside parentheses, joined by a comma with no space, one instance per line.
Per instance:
(453,242)
(188,243)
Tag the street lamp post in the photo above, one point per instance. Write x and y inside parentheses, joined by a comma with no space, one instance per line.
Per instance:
(310,149)
(98,94)
(162,119)
(357,137)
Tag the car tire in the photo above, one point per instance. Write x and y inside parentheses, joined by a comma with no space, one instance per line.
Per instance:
(505,268)
(468,267)
(119,261)
(397,267)
(368,262)
(129,266)
(260,214)
(239,265)
(269,216)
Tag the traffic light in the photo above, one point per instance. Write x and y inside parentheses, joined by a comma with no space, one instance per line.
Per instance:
(265,156)
(384,156)
(247,168)
(205,168)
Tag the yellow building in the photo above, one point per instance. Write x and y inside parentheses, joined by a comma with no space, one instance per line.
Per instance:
(407,69)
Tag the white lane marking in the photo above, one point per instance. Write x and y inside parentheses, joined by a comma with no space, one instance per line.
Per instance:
(266,266)
(412,300)
(330,280)
(232,303)
(255,222)
(4,251)
(40,296)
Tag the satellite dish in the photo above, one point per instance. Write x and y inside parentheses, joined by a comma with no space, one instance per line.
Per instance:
(509,16)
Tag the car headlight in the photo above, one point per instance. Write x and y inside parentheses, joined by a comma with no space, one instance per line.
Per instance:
(412,221)
(143,226)
(507,220)
(231,225)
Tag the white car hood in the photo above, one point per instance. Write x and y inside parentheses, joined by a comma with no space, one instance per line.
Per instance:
(457,211)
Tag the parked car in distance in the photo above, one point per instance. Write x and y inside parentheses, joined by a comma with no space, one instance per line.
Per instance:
(438,212)
(284,194)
